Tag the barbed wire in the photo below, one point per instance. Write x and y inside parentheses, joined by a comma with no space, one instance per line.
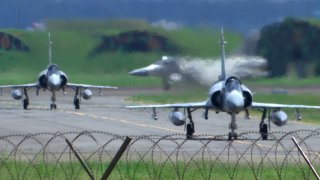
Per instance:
(47,156)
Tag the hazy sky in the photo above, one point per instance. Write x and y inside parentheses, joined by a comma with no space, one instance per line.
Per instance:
(241,15)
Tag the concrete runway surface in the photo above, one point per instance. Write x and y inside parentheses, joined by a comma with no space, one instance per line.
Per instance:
(107,113)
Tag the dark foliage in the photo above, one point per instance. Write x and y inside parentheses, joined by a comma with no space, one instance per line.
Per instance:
(136,41)
(290,41)
(10,43)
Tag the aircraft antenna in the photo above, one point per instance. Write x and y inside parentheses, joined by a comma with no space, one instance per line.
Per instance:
(50,44)
(223,69)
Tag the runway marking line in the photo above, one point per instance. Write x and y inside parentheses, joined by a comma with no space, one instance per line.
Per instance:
(248,143)
(120,120)
(146,125)
(126,122)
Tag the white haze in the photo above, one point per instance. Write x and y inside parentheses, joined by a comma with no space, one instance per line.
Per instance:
(206,71)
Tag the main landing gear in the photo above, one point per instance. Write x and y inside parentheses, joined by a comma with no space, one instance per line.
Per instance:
(53,100)
(233,126)
(263,127)
(189,125)
(26,99)
(154,114)
(76,100)
(165,84)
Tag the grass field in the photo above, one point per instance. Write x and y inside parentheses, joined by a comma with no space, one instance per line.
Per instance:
(149,170)
(73,41)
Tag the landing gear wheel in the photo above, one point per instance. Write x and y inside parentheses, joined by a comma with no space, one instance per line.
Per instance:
(190,131)
(233,136)
(264,131)
(230,136)
(53,106)
(77,103)
(25,103)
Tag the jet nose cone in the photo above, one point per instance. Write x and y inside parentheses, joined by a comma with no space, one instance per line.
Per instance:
(234,102)
(54,82)
(139,72)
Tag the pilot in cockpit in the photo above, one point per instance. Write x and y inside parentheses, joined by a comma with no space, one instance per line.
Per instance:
(232,84)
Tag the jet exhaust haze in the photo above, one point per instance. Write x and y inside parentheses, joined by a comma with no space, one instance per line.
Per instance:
(206,71)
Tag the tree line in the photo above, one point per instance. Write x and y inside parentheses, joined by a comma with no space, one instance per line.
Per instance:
(291,41)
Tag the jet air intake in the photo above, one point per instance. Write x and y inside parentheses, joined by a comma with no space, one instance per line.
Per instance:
(216,99)
(43,81)
(247,98)
(177,118)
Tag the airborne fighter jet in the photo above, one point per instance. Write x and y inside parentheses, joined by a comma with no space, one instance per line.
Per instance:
(227,95)
(53,79)
(172,69)
(167,69)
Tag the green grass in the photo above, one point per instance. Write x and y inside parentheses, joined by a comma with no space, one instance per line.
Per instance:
(178,93)
(74,40)
(120,80)
(148,170)
(283,82)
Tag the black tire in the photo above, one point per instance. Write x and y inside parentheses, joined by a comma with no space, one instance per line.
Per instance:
(230,136)
(190,131)
(25,103)
(264,131)
(235,136)
(77,103)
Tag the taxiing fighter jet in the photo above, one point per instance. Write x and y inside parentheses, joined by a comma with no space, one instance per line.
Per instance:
(53,79)
(228,95)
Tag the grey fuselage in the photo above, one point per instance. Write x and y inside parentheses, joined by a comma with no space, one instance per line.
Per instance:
(52,78)
(167,68)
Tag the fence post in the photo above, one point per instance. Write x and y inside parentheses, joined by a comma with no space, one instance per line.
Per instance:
(116,158)
(81,161)
(305,158)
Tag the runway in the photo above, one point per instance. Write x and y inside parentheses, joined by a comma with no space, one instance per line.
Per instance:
(107,113)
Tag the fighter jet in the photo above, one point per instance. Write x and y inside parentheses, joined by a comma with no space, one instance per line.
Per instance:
(167,69)
(173,69)
(227,95)
(53,79)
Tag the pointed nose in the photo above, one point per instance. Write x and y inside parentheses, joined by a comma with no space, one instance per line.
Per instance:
(54,82)
(153,70)
(139,72)
(234,102)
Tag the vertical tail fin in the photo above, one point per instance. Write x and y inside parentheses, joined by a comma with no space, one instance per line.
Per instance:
(223,69)
(50,44)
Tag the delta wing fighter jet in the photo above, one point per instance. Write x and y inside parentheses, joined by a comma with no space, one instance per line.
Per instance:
(172,69)
(227,95)
(167,69)
(53,79)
